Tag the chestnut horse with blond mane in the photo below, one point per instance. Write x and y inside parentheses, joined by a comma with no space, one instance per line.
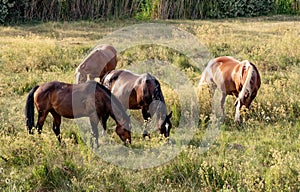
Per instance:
(101,60)
(232,77)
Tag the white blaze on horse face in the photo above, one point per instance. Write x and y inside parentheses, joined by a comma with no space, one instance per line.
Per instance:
(167,127)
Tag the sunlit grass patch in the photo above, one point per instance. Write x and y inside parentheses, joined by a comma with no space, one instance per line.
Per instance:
(260,155)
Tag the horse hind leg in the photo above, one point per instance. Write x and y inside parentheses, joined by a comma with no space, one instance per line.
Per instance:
(41,120)
(94,121)
(218,107)
(56,124)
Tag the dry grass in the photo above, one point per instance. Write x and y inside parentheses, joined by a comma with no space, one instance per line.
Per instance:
(260,155)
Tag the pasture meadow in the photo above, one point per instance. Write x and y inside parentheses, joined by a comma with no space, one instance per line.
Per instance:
(260,155)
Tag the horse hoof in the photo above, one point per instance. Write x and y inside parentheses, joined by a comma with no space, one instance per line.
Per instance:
(146,134)
(238,122)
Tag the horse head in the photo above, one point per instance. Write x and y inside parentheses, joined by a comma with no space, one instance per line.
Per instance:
(250,81)
(164,120)
(165,125)
(123,130)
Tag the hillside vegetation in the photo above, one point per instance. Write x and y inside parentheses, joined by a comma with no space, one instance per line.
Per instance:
(261,155)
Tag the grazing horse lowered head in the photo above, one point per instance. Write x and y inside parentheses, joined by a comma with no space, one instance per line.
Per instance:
(232,77)
(102,59)
(140,92)
(89,99)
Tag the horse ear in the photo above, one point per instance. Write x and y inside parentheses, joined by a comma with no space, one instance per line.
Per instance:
(170,115)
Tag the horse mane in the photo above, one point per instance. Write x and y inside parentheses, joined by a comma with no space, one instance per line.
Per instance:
(158,95)
(104,77)
(114,101)
(157,92)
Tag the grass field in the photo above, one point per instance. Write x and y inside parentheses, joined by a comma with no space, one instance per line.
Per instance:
(261,155)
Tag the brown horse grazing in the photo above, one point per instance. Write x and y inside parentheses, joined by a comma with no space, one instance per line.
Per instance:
(232,77)
(140,92)
(89,99)
(101,60)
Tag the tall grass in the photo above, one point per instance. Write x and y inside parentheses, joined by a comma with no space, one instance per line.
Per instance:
(260,155)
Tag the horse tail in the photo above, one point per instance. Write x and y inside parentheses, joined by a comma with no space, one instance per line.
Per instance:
(29,108)
(207,74)
(246,86)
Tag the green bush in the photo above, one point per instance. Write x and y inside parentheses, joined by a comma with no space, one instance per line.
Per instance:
(5,5)
(34,10)
(244,8)
(287,6)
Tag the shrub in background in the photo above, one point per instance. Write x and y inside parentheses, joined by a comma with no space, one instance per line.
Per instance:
(45,10)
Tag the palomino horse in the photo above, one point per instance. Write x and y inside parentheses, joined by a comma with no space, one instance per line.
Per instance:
(140,92)
(89,99)
(232,77)
(101,60)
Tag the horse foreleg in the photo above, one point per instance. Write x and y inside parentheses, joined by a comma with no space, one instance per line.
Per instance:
(146,117)
(222,102)
(56,124)
(41,120)
(103,122)
(94,120)
(237,111)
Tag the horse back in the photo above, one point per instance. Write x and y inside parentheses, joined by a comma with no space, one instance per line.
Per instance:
(47,94)
(222,72)
(110,55)
(102,59)
(122,84)
(133,90)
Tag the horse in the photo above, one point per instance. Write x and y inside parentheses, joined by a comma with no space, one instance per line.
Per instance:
(89,99)
(102,59)
(232,77)
(140,92)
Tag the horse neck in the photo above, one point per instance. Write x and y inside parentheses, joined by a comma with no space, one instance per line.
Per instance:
(117,112)
(157,95)
(161,108)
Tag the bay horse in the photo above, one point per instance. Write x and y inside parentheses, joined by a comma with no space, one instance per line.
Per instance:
(102,59)
(140,92)
(232,77)
(89,99)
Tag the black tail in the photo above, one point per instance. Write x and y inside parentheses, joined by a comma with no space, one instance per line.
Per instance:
(29,109)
